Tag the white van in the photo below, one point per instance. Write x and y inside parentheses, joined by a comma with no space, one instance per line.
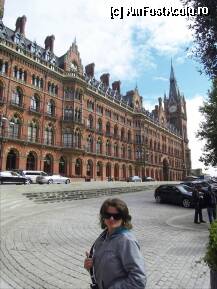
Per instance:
(32,175)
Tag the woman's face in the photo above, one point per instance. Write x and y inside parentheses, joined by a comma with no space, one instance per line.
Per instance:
(112,218)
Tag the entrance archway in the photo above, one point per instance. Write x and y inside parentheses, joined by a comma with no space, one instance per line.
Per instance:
(48,164)
(165,170)
(130,171)
(31,162)
(99,170)
(12,160)
(116,172)
(108,170)
(78,167)
(62,166)
(89,171)
(143,172)
(124,172)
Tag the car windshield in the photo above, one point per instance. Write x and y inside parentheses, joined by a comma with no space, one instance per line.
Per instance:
(187,188)
(15,174)
(43,174)
(184,189)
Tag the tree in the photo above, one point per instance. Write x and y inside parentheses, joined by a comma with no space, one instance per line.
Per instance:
(208,129)
(205,35)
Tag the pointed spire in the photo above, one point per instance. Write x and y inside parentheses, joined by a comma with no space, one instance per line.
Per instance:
(172,74)
(136,88)
(174,94)
(74,46)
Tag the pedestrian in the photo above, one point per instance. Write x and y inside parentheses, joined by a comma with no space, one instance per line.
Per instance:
(116,262)
(210,201)
(198,204)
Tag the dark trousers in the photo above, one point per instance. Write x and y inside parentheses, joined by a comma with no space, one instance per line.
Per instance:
(198,213)
(211,214)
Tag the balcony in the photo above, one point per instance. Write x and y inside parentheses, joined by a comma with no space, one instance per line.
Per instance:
(35,111)
(99,131)
(115,136)
(51,116)
(18,106)
(92,129)
(79,121)
(2,100)
(108,134)
(33,140)
(71,146)
(67,120)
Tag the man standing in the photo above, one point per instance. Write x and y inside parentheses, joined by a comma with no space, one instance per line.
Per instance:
(210,201)
(197,200)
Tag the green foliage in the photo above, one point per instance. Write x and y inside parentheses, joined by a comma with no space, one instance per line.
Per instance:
(208,128)
(204,28)
(211,253)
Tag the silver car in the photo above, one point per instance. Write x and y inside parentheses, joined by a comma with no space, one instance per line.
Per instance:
(134,179)
(54,179)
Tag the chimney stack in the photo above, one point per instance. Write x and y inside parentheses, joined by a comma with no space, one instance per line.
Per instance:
(20,25)
(116,85)
(105,79)
(89,70)
(2,4)
(49,43)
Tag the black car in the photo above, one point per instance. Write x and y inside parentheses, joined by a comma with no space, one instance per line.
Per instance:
(175,194)
(12,178)
(204,185)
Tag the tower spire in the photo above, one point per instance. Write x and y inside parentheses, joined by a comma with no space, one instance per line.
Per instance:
(172,74)
(174,94)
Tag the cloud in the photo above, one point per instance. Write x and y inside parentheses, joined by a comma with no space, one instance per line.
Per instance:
(123,48)
(161,78)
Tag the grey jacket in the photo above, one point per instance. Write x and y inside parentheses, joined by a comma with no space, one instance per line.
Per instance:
(117,261)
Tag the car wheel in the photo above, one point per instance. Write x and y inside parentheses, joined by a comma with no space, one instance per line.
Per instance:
(186,203)
(50,181)
(67,181)
(27,182)
(158,199)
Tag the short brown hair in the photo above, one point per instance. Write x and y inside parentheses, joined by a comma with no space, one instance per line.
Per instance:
(121,207)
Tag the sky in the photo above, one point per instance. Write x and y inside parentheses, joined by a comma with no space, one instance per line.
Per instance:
(137,50)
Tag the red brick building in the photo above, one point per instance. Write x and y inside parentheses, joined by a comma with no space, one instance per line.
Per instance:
(56,117)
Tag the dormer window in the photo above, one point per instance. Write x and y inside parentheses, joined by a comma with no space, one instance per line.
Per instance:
(33,47)
(47,55)
(17,38)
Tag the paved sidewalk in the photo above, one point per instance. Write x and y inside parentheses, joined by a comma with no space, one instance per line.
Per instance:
(43,244)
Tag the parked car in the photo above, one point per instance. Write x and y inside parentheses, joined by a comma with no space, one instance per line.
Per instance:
(148,179)
(54,179)
(13,178)
(190,178)
(175,194)
(31,175)
(134,179)
(204,185)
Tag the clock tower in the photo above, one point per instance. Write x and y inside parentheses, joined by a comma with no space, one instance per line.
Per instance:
(175,107)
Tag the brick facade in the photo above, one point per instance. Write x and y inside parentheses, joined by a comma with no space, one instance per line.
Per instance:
(56,117)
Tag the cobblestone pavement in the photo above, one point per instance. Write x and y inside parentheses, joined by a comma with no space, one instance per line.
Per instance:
(43,244)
